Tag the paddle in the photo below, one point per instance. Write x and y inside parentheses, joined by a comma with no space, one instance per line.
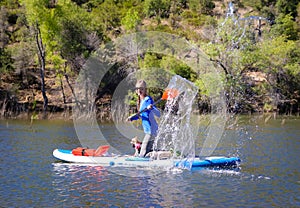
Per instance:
(168,94)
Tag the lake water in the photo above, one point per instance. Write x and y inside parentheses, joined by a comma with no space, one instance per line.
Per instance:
(268,175)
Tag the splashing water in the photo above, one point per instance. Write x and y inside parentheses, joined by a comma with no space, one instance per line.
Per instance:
(175,132)
(239,29)
(230,10)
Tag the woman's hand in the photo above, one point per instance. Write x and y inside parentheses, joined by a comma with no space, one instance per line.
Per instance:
(149,107)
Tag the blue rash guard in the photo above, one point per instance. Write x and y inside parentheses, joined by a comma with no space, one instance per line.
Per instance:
(148,121)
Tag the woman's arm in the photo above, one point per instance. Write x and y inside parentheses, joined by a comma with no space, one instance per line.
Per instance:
(133,118)
(152,107)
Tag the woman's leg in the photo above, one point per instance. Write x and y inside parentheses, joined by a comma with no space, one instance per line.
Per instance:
(146,145)
(149,147)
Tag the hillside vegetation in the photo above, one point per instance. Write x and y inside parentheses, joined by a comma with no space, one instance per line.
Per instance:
(45,43)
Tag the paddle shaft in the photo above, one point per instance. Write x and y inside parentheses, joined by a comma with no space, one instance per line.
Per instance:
(168,93)
(142,111)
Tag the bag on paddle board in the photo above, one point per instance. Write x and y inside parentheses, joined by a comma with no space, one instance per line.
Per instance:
(81,151)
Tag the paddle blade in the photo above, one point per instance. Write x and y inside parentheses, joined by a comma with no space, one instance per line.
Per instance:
(169,94)
(101,150)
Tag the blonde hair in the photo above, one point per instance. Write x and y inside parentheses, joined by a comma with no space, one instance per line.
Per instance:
(140,83)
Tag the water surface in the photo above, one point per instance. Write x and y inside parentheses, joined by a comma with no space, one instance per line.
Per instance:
(268,175)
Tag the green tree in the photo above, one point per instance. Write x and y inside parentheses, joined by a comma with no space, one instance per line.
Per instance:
(285,26)
(150,61)
(287,7)
(202,6)
(5,57)
(275,55)
(5,61)
(36,13)
(277,58)
(131,20)
(158,8)
(4,38)
(58,30)
(108,16)
(177,67)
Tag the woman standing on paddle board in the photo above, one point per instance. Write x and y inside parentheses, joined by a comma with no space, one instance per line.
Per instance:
(148,120)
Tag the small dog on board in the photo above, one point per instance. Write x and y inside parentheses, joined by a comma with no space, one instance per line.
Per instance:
(136,144)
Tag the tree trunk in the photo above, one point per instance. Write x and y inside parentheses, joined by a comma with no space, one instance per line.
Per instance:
(5,101)
(70,86)
(42,61)
(62,90)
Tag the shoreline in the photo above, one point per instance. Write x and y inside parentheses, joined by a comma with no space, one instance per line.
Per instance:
(106,117)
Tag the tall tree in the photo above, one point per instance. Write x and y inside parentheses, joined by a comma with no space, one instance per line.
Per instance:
(42,61)
(38,16)
(4,38)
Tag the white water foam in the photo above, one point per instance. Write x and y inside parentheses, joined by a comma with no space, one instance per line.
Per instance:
(175,131)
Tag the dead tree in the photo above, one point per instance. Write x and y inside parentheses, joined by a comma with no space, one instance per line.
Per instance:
(42,61)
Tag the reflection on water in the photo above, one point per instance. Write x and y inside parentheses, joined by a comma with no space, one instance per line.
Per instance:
(165,189)
(71,182)
(268,175)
